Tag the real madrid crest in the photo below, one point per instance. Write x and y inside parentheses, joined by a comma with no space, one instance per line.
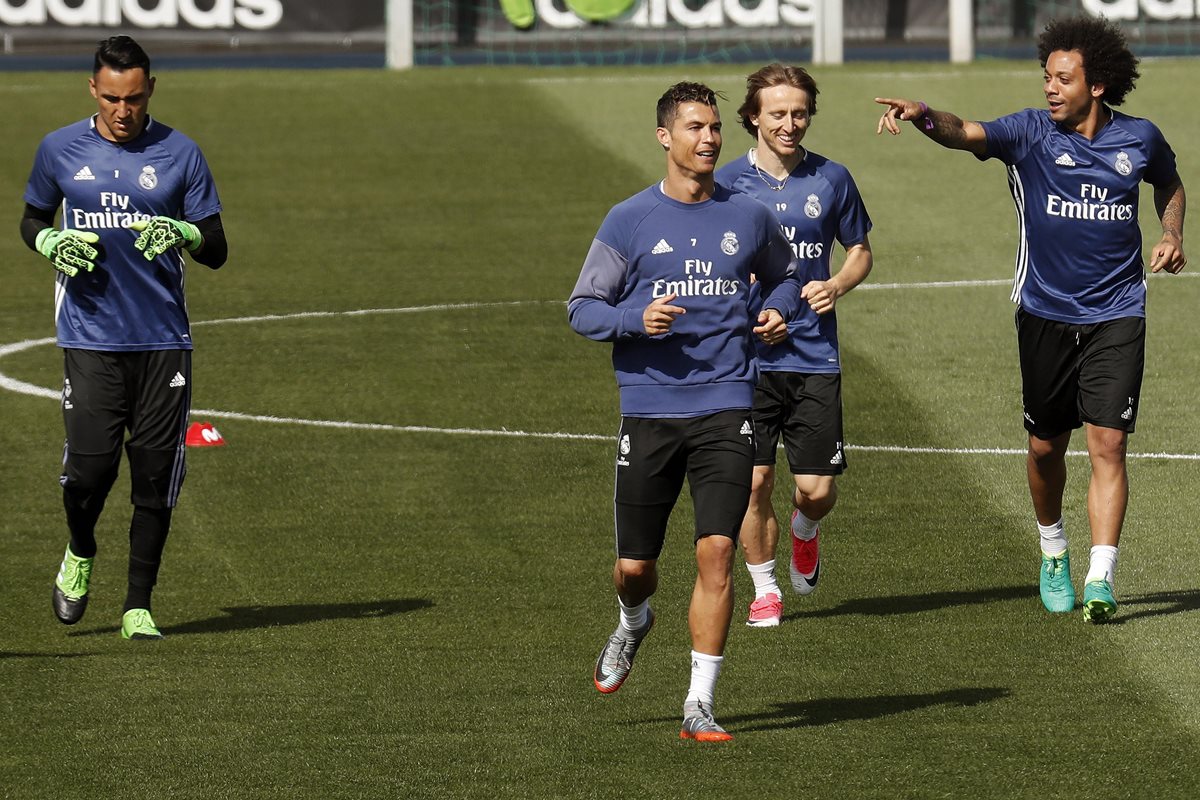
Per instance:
(1123,165)
(812,207)
(729,243)
(625,445)
(147,180)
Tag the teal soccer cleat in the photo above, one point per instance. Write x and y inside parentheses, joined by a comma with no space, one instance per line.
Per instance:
(1099,604)
(1058,596)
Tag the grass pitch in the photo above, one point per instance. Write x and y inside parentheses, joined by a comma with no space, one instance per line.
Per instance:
(409,603)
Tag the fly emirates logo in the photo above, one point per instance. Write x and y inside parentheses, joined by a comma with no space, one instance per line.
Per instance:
(697,281)
(114,213)
(1091,205)
(809,250)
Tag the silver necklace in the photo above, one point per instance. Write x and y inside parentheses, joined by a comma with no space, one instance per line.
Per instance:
(763,176)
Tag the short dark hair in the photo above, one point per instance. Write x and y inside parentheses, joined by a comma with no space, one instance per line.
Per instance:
(1107,59)
(775,75)
(677,95)
(121,53)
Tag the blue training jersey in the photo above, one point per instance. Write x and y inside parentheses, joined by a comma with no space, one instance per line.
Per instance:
(818,203)
(651,246)
(126,303)
(1079,258)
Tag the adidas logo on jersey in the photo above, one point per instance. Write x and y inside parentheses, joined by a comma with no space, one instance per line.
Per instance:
(85,174)
(1065,160)
(662,247)
(746,429)
(178,381)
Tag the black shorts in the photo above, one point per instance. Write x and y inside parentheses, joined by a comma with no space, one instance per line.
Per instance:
(716,455)
(147,393)
(806,409)
(1072,374)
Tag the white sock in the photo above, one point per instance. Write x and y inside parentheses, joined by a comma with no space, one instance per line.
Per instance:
(1054,540)
(705,669)
(803,528)
(633,618)
(1104,564)
(763,576)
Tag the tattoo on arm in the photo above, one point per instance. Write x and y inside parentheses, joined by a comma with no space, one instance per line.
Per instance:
(1171,204)
(947,129)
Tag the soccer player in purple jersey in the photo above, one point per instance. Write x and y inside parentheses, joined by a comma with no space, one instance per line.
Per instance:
(1074,169)
(134,193)
(799,392)
(667,281)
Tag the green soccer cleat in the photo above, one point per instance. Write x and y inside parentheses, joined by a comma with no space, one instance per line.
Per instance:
(138,624)
(1058,596)
(1099,604)
(70,597)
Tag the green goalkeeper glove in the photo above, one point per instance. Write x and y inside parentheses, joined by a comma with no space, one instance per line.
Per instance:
(160,234)
(69,250)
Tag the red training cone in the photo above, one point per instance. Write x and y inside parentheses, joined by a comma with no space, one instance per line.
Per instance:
(203,434)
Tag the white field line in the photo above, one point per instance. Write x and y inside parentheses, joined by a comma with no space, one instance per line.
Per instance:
(22,387)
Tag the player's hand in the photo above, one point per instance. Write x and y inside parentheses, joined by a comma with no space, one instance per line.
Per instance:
(821,296)
(1168,255)
(659,315)
(160,234)
(898,109)
(68,250)
(772,327)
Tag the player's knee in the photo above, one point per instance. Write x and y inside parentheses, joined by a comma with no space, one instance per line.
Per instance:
(762,482)
(85,476)
(635,571)
(714,556)
(823,493)
(155,477)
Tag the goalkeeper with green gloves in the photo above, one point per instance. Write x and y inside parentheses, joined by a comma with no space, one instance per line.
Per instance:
(135,196)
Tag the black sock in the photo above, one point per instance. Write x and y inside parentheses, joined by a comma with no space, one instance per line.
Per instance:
(147,537)
(81,521)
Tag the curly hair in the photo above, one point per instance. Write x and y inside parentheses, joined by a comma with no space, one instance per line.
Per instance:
(680,93)
(775,75)
(1107,59)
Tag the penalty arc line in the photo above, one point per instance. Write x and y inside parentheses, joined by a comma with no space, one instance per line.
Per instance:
(22,387)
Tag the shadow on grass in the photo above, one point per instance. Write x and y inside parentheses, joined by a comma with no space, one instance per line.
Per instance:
(240,618)
(8,654)
(832,710)
(917,603)
(1176,602)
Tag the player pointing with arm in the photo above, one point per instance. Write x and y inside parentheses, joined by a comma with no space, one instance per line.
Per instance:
(1074,168)
(667,281)
(133,192)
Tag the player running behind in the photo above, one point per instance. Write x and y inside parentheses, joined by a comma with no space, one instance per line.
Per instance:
(799,392)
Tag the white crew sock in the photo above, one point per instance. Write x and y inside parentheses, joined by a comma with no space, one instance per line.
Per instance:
(633,618)
(1104,564)
(763,576)
(705,669)
(803,528)
(1054,540)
